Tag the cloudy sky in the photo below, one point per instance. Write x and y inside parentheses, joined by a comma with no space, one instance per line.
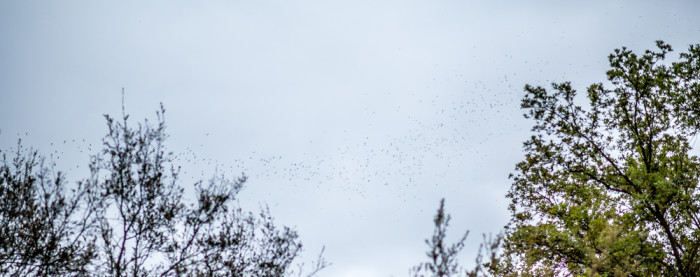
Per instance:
(351,118)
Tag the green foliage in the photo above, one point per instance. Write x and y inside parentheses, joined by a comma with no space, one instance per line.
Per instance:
(129,218)
(610,188)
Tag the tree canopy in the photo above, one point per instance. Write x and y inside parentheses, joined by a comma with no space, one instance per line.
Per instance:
(610,188)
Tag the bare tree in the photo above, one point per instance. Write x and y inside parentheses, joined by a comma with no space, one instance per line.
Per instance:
(442,259)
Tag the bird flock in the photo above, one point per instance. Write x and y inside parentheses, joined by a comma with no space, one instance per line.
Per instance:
(413,139)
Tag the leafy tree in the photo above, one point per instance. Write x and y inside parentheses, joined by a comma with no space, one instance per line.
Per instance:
(129,218)
(611,188)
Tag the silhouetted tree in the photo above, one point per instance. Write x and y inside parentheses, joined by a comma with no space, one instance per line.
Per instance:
(442,259)
(129,218)
(43,229)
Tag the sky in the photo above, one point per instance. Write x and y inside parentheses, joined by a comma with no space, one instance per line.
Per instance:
(352,119)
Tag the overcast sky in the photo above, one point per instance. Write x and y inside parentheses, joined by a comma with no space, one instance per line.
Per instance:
(351,118)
